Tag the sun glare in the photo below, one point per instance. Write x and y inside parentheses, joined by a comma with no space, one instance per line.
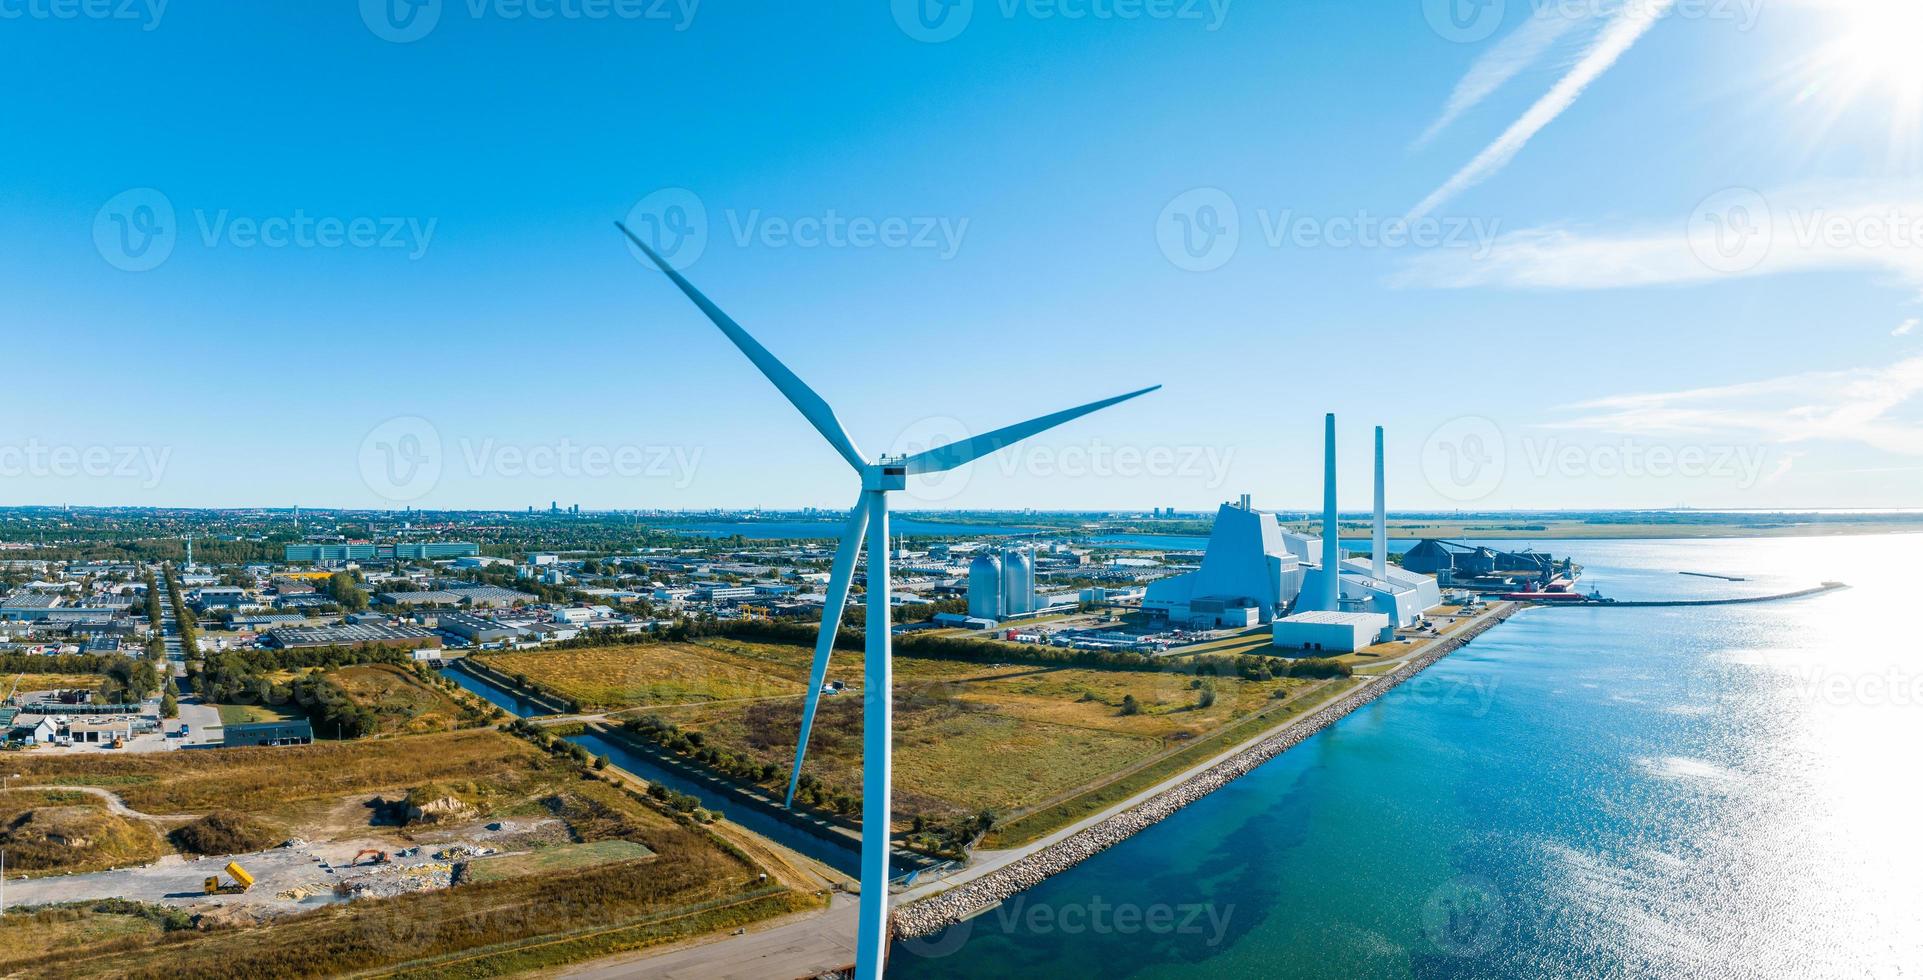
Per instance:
(1868,65)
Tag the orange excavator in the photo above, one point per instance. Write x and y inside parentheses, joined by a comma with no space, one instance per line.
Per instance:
(377,857)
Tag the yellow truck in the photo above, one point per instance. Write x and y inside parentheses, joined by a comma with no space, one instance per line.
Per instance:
(242,881)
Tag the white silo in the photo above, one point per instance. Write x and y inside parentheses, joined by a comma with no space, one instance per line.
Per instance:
(985,591)
(1018,581)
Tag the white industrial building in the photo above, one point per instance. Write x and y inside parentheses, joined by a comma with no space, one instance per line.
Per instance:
(1255,572)
(1331,632)
(1248,571)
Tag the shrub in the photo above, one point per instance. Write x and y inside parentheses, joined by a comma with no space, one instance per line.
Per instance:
(225,832)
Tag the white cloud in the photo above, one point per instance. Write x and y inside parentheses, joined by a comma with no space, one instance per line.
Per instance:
(1864,227)
(1864,406)
(1518,51)
(1622,32)
(1905,328)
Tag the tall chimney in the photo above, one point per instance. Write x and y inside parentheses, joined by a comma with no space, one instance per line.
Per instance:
(1380,546)
(1331,534)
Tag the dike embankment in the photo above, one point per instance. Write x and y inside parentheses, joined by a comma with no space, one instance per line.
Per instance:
(935,913)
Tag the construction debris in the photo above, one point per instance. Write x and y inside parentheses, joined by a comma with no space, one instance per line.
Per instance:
(391,880)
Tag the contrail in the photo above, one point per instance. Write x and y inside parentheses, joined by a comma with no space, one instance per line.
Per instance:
(1618,37)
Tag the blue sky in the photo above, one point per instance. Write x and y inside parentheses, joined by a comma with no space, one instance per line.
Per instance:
(456,323)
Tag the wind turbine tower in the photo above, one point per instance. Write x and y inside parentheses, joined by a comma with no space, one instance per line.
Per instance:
(867,522)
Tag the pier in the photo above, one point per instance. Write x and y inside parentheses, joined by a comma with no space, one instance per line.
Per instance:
(1669,603)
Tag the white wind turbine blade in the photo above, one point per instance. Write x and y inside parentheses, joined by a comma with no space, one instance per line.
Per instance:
(968,450)
(842,574)
(803,397)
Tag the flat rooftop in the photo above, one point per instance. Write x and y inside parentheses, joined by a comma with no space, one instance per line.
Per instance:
(1325,618)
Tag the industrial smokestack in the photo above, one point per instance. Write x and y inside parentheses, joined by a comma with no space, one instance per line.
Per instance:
(1331,539)
(1380,546)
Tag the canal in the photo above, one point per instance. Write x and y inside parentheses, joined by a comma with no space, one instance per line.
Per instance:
(837,853)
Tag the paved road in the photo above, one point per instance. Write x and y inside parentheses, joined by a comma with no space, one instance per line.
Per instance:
(798,946)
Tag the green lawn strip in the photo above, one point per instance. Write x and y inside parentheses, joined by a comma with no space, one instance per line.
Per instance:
(1041,823)
(247,714)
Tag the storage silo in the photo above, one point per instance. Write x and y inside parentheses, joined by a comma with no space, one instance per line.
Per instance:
(1018,581)
(985,591)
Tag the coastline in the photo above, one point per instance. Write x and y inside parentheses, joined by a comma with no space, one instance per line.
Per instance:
(931,915)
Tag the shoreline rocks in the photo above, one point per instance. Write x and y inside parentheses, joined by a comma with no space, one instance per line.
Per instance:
(937,912)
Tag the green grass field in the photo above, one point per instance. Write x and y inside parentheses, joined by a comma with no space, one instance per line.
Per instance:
(247,714)
(552,859)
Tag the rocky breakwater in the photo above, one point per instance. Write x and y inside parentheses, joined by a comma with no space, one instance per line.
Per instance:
(931,915)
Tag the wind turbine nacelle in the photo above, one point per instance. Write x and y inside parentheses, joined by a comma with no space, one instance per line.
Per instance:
(886,475)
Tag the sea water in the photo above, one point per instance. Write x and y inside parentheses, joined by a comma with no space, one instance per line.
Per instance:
(1725,791)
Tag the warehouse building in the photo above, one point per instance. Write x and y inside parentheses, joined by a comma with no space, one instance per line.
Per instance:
(266,733)
(1331,632)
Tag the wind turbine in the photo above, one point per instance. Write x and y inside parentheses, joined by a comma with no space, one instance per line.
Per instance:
(868,519)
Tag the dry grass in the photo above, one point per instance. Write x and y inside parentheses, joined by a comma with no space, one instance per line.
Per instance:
(952,757)
(268,780)
(47,682)
(650,674)
(76,837)
(516,917)
(45,933)
(402,703)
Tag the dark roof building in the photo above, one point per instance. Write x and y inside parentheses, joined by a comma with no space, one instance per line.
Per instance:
(267,733)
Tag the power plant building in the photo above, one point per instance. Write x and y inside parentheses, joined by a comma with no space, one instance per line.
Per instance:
(1255,572)
(1247,575)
